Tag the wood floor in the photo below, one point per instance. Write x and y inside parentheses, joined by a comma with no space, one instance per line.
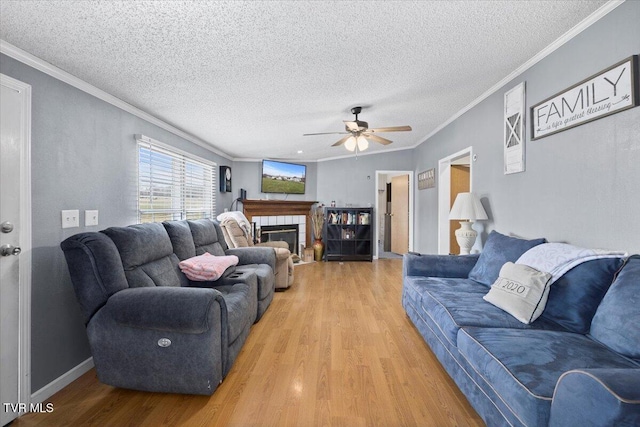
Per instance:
(336,349)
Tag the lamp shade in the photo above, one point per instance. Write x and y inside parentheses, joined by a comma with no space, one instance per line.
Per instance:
(363,144)
(350,143)
(467,207)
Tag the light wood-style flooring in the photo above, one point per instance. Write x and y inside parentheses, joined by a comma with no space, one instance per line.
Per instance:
(336,349)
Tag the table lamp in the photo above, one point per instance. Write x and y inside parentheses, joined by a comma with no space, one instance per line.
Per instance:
(467,208)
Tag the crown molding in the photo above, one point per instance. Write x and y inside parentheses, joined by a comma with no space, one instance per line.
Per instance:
(43,66)
(59,74)
(559,42)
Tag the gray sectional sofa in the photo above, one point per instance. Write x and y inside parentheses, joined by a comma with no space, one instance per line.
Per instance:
(149,327)
(578,364)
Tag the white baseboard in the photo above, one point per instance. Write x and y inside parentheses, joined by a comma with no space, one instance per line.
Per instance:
(61,382)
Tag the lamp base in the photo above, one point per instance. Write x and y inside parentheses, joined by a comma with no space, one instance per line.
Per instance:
(466,237)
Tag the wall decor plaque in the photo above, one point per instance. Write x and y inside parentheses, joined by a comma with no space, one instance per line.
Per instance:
(427,179)
(513,143)
(608,92)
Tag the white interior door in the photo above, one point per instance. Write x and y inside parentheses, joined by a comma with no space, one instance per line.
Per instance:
(14,319)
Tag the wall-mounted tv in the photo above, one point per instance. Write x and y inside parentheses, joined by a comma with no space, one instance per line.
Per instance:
(281,177)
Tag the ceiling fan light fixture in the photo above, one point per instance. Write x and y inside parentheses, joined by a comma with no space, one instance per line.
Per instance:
(363,144)
(350,144)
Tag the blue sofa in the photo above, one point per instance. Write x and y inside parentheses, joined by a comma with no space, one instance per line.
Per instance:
(149,327)
(578,364)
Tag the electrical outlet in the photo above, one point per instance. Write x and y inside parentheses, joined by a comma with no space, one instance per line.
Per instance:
(71,218)
(90,218)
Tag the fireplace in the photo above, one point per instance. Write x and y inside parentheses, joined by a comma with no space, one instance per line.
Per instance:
(281,212)
(285,233)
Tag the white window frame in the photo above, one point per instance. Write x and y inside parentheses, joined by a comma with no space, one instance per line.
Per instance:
(178,183)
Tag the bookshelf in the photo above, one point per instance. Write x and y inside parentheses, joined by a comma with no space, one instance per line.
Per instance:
(348,234)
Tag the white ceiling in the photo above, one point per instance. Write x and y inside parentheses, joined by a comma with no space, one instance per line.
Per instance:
(250,78)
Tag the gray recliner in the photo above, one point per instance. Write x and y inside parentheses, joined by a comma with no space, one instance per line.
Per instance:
(149,327)
(195,237)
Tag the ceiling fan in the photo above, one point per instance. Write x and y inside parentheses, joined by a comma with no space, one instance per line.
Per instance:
(358,133)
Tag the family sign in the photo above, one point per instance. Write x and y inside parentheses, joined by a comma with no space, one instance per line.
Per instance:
(608,92)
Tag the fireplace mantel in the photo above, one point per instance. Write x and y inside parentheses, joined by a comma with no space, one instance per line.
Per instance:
(253,208)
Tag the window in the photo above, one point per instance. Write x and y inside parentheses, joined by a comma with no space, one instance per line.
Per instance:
(172,184)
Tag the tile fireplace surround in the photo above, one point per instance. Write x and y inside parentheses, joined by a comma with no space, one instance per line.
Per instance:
(281,212)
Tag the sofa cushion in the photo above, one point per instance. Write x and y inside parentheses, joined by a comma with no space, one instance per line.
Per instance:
(207,237)
(241,311)
(620,309)
(521,291)
(498,250)
(95,268)
(234,235)
(266,279)
(574,298)
(524,366)
(454,303)
(147,255)
(180,234)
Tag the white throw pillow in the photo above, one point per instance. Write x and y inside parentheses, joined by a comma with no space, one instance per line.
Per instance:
(521,291)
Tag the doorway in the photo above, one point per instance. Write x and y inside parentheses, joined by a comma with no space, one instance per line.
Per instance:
(15,245)
(394,213)
(455,176)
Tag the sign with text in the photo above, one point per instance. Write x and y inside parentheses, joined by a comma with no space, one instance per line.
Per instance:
(608,92)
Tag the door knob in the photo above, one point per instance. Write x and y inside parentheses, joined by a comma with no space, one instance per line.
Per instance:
(6,250)
(6,227)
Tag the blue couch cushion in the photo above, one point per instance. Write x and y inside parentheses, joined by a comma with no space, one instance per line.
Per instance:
(454,303)
(620,309)
(147,255)
(95,268)
(524,366)
(574,298)
(207,237)
(180,234)
(241,310)
(498,250)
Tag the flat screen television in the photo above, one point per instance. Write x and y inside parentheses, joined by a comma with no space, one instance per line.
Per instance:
(282,177)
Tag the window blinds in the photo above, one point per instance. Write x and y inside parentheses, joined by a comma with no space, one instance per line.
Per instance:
(172,184)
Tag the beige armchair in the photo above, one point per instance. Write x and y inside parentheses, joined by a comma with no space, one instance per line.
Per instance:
(237,236)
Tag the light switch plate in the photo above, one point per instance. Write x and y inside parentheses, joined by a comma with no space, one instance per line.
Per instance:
(71,218)
(90,218)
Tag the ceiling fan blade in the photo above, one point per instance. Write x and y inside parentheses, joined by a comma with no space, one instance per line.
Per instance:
(326,133)
(342,141)
(353,126)
(391,129)
(376,138)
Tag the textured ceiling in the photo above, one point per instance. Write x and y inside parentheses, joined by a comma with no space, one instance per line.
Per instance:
(250,78)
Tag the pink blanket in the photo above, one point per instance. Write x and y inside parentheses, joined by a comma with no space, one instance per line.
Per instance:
(207,267)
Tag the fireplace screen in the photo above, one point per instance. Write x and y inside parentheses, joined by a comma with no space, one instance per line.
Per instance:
(285,233)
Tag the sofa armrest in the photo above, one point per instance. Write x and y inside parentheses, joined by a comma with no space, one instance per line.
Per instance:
(254,255)
(414,264)
(282,253)
(275,244)
(161,339)
(597,397)
(172,309)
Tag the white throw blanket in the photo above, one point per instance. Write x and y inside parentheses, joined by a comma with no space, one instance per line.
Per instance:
(558,258)
(242,221)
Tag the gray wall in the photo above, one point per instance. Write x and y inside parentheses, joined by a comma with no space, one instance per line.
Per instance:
(83,157)
(580,185)
(353,180)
